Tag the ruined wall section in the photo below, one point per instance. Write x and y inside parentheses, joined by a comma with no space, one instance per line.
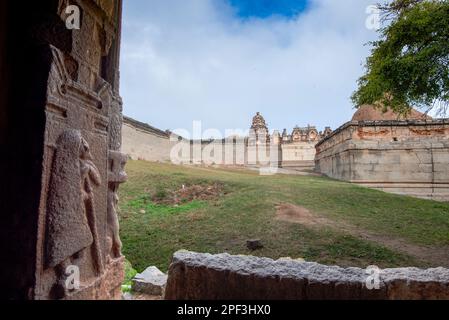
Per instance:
(405,157)
(196,276)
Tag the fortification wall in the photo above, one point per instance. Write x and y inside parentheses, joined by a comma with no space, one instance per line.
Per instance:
(143,142)
(405,157)
(298,155)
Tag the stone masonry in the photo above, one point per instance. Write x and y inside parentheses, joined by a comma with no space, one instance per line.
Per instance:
(140,141)
(399,156)
(61,132)
(195,276)
(63,166)
(259,148)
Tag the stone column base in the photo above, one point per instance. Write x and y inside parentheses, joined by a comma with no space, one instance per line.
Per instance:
(108,286)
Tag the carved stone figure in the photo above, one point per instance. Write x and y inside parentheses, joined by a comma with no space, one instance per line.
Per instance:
(71,222)
(116,176)
(62,85)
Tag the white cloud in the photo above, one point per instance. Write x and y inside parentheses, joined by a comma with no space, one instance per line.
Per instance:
(194,60)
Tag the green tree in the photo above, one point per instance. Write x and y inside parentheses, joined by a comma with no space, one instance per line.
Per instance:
(409,64)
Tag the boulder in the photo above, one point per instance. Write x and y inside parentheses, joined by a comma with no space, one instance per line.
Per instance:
(152,282)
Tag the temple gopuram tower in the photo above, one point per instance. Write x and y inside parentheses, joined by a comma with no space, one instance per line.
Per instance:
(259,129)
(259,149)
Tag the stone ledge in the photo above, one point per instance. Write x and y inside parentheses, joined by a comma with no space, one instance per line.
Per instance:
(196,276)
(145,127)
(385,123)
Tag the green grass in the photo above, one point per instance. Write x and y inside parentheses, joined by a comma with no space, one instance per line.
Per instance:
(130,273)
(145,206)
(151,232)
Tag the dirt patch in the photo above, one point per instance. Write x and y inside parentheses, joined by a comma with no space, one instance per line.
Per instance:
(296,214)
(189,193)
(432,255)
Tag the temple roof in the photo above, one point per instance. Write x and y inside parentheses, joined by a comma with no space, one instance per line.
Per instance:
(371,113)
(259,122)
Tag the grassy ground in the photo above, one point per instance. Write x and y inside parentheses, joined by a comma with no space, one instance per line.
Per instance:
(152,232)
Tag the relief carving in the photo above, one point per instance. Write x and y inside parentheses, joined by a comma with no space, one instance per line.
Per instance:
(361,133)
(116,176)
(79,225)
(72,67)
(429,132)
(71,220)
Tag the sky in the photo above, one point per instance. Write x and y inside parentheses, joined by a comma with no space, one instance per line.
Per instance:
(221,61)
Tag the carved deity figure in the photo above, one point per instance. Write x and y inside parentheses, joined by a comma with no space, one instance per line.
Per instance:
(116,176)
(71,220)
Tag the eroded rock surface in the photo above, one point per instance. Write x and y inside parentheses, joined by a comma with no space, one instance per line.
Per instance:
(195,276)
(151,282)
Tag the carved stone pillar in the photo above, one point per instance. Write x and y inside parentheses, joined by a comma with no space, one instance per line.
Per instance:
(70,151)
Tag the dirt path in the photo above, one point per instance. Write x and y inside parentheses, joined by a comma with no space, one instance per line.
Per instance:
(436,256)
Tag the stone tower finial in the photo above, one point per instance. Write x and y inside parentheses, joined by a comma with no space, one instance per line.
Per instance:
(259,122)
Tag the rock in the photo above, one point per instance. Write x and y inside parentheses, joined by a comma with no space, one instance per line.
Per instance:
(254,244)
(198,276)
(140,296)
(152,282)
(291,259)
(127,296)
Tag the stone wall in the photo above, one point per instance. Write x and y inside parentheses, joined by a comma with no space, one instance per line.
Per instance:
(143,142)
(405,157)
(61,165)
(298,155)
(195,276)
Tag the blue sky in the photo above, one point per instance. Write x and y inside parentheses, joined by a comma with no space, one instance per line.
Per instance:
(221,61)
(268,8)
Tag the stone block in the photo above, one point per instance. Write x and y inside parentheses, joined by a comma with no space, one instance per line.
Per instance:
(418,160)
(152,282)
(196,276)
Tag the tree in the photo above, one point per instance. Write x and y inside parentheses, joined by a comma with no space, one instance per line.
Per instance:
(409,65)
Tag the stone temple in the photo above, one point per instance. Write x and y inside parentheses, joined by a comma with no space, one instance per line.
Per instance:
(383,150)
(64,150)
(296,150)
(405,155)
(259,148)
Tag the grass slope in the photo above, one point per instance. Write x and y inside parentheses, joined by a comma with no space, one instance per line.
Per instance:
(151,233)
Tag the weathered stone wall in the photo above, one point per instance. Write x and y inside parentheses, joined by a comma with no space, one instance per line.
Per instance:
(63,166)
(406,157)
(142,142)
(195,276)
(298,155)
